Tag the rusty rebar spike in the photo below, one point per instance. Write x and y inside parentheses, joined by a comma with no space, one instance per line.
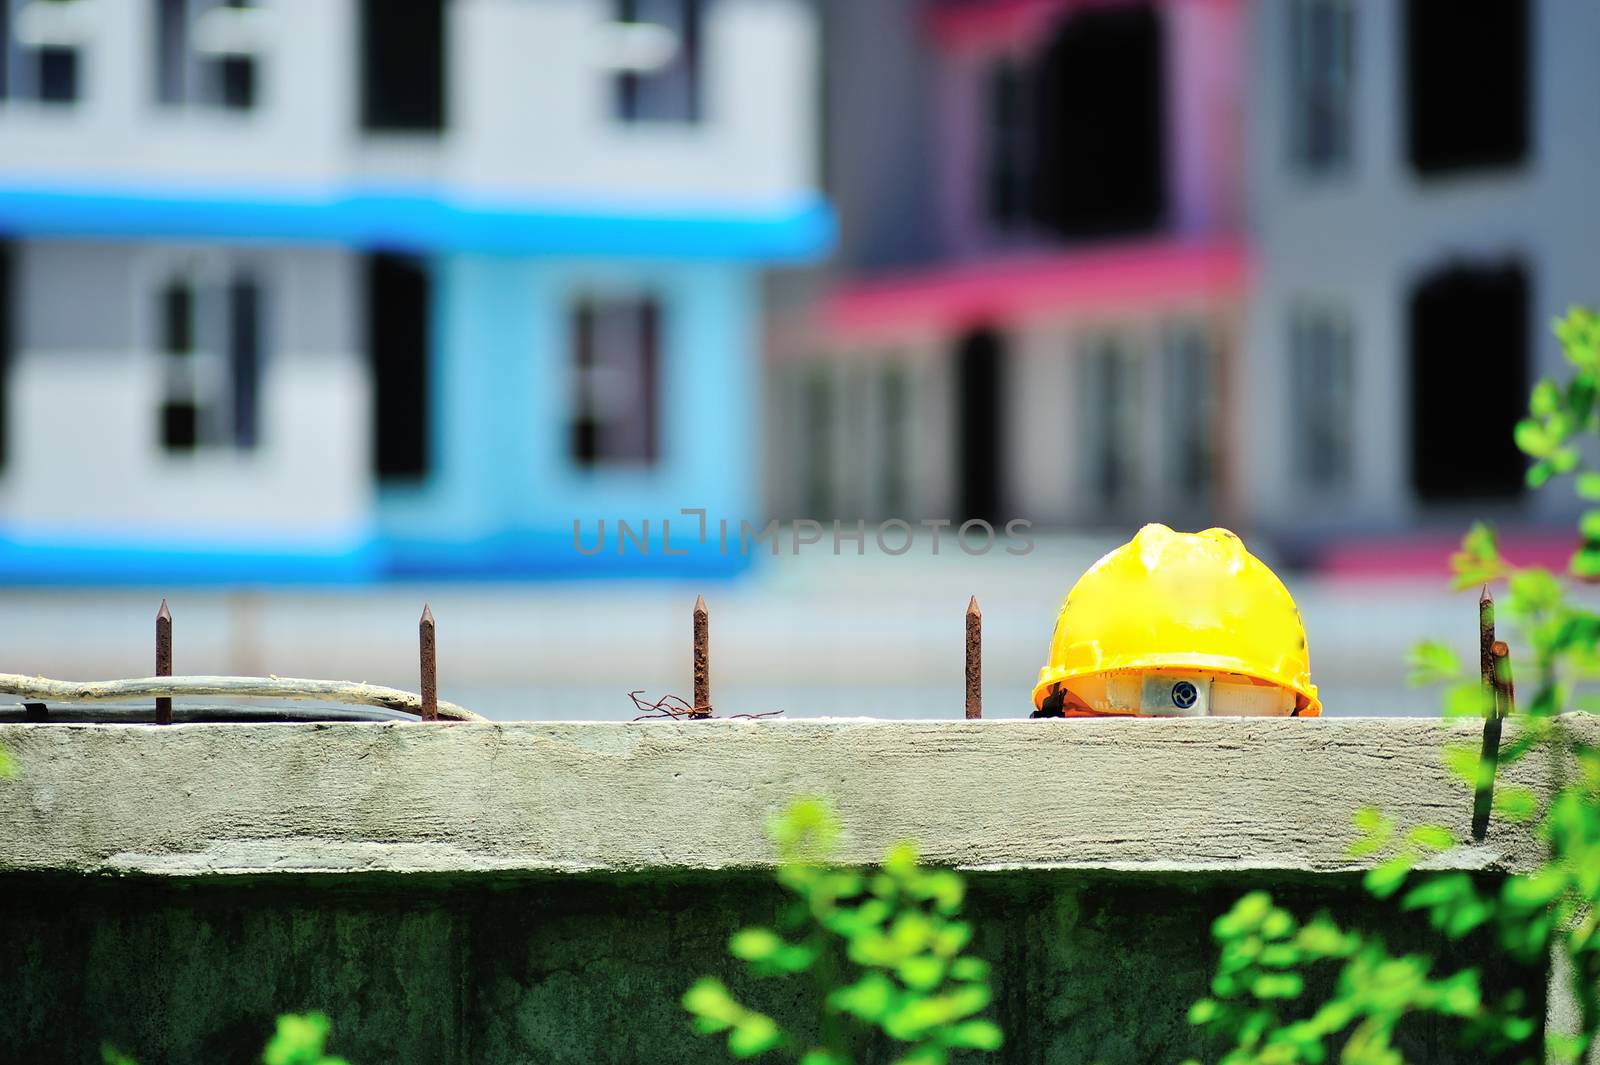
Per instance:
(163,661)
(1486,644)
(430,665)
(974,660)
(1505,692)
(702,659)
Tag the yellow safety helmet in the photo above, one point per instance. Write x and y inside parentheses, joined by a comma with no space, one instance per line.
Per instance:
(1170,604)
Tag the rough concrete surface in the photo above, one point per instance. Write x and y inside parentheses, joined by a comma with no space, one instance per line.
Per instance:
(495,894)
(1219,794)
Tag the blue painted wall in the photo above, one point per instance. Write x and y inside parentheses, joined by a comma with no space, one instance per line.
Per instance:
(502,493)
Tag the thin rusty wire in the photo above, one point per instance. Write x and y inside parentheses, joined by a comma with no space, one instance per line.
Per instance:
(676,708)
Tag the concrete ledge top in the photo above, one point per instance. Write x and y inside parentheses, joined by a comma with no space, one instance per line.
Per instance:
(1155,796)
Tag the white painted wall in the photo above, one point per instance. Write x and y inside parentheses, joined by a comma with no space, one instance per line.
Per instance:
(528,111)
(83,453)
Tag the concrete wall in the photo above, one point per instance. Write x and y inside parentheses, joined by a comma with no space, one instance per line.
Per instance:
(542,893)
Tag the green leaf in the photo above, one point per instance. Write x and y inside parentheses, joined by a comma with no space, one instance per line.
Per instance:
(299,1039)
(1461,760)
(754,1034)
(1587,485)
(1589,525)
(1432,662)
(1514,803)
(1545,400)
(110,1055)
(1277,985)
(1533,439)
(923,972)
(755,944)
(969,969)
(709,1000)
(1385,878)
(1535,890)
(1376,832)
(1245,916)
(1534,589)
(1204,1011)
(1432,837)
(1585,562)
(818,1056)
(1478,560)
(869,998)
(1468,699)
(976,1034)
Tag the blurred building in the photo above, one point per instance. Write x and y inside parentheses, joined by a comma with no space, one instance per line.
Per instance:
(330,289)
(1287,264)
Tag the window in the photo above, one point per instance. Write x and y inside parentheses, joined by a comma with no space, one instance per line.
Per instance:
(207,52)
(817,440)
(1109,413)
(1469,382)
(1466,83)
(656,56)
(615,351)
(1189,416)
(1321,67)
(42,41)
(399,312)
(1006,163)
(1322,401)
(980,384)
(894,456)
(209,336)
(403,49)
(1099,124)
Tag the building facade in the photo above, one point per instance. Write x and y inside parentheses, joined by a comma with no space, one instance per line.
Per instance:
(1283,264)
(340,289)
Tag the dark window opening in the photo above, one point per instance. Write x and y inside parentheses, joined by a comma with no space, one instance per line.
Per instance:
(237,78)
(1006,161)
(210,336)
(894,457)
(1467,83)
(615,354)
(979,374)
(1100,125)
(668,89)
(816,443)
(244,358)
(58,74)
(172,50)
(1321,38)
(177,318)
(398,327)
(1189,397)
(403,72)
(1469,382)
(180,425)
(1109,412)
(223,73)
(44,70)
(1322,379)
